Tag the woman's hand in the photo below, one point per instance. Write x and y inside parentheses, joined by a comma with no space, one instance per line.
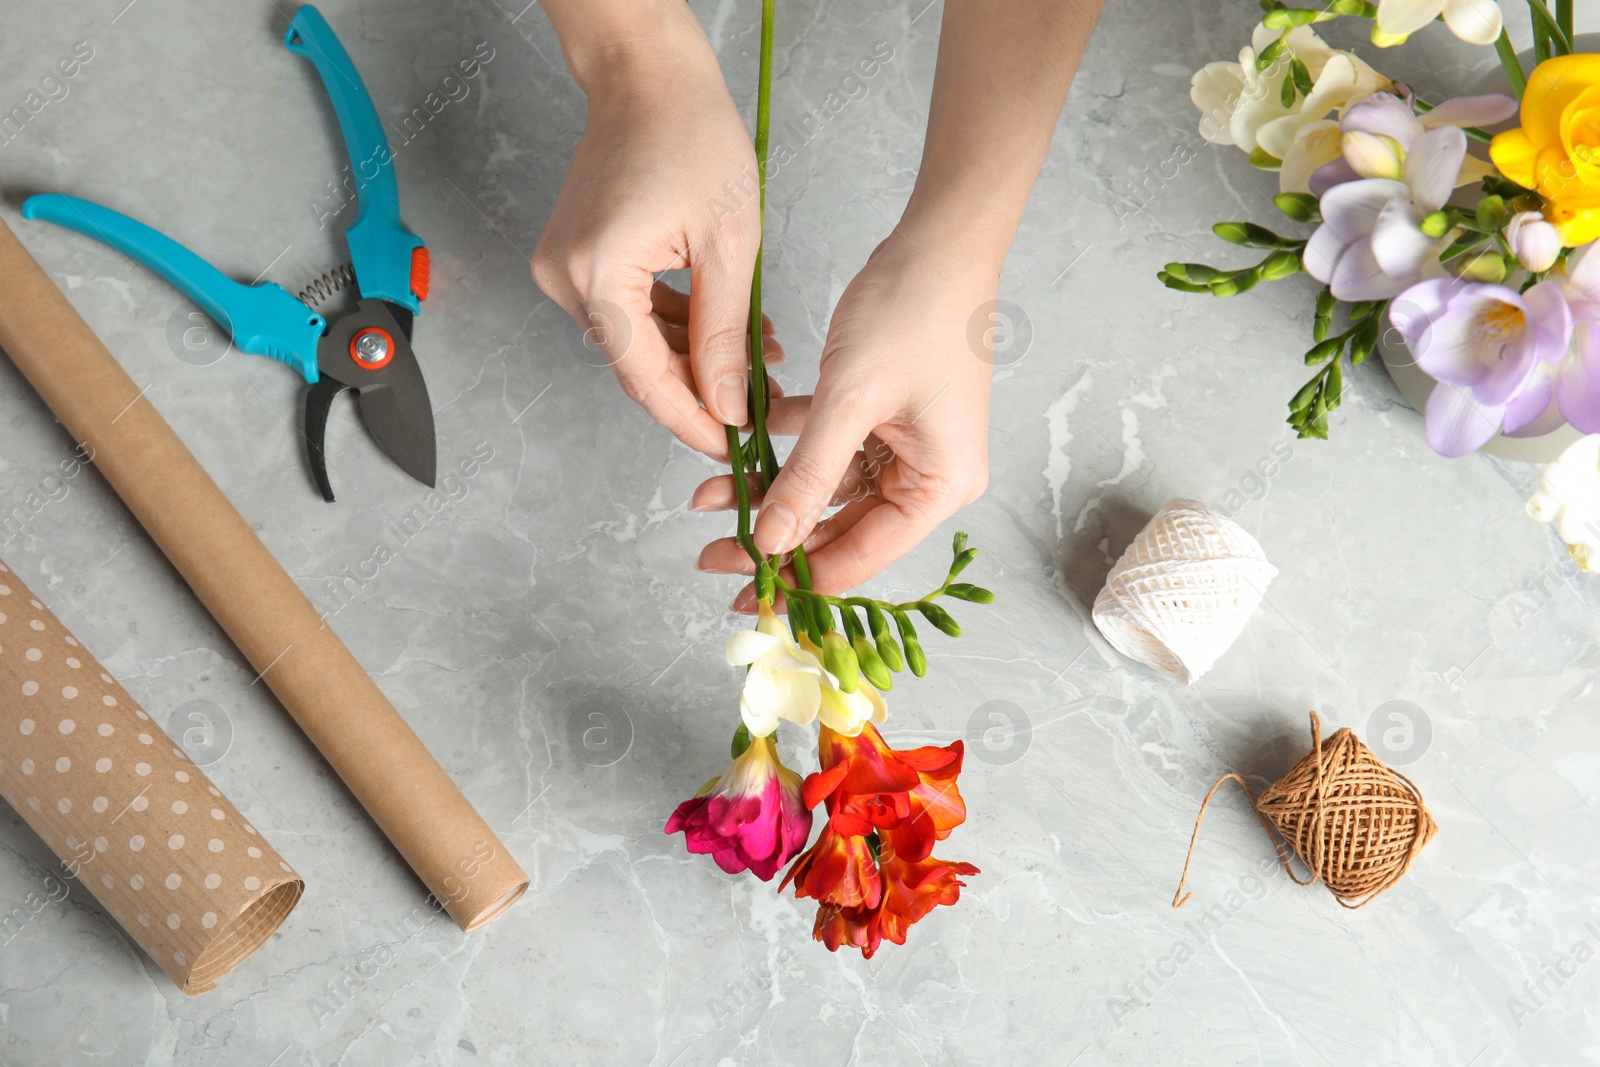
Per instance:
(664,177)
(896,433)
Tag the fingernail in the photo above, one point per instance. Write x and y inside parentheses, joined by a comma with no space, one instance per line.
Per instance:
(703,506)
(700,561)
(745,602)
(730,395)
(775,529)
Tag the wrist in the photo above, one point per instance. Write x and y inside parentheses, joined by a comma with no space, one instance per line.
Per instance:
(952,240)
(958,234)
(627,46)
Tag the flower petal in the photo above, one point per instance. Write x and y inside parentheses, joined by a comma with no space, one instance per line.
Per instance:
(1578,392)
(1516,156)
(1550,319)
(747,646)
(1432,164)
(1399,246)
(1357,275)
(1385,115)
(1401,17)
(1215,89)
(1533,405)
(1352,209)
(1483,110)
(1414,310)
(1474,21)
(1583,275)
(778,694)
(1458,424)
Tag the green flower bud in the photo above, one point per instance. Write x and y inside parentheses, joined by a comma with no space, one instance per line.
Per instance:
(840,660)
(1181,286)
(974,594)
(1486,266)
(915,659)
(940,618)
(1280,265)
(1302,400)
(889,650)
(1225,287)
(872,665)
(1491,209)
(1301,207)
(1435,225)
(1324,351)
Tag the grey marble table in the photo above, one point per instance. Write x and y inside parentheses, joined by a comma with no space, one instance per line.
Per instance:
(557,584)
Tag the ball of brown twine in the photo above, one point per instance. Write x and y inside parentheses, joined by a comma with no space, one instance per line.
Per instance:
(1354,822)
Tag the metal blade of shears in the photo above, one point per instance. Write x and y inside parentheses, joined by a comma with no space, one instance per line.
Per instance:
(369,351)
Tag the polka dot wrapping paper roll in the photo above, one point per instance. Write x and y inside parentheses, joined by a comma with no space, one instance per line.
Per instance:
(127,812)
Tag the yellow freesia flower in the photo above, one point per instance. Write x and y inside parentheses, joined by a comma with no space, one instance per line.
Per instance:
(1556,151)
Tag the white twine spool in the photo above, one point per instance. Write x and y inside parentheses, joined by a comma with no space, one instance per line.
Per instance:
(1182,592)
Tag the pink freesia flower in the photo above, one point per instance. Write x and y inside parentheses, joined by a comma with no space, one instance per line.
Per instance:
(752,818)
(1490,348)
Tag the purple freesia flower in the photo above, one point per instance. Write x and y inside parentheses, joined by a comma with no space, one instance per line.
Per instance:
(1491,349)
(1568,389)
(1390,118)
(752,818)
(1370,245)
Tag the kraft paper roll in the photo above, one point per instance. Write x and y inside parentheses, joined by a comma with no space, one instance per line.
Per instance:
(313,674)
(123,807)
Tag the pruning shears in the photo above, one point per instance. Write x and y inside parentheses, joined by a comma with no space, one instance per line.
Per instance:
(366,349)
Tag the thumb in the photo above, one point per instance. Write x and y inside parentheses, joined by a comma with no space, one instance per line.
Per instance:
(806,485)
(719,323)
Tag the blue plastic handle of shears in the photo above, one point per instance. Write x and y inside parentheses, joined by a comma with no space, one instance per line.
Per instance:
(263,319)
(380,247)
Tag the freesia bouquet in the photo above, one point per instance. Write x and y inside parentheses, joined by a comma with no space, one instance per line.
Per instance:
(871,870)
(1483,266)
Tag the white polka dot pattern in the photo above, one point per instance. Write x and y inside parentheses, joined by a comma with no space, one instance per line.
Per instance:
(156,843)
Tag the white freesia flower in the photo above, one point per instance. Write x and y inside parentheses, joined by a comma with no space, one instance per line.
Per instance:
(1241,105)
(1569,497)
(846,713)
(1474,21)
(784,682)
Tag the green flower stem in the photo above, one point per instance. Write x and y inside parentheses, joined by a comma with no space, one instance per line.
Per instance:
(846,602)
(1513,67)
(1547,33)
(760,392)
(1564,17)
(741,492)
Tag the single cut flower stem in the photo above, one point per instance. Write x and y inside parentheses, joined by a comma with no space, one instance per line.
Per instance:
(741,492)
(759,392)
(1564,17)
(1513,68)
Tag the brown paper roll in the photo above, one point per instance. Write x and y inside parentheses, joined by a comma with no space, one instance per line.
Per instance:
(327,692)
(124,808)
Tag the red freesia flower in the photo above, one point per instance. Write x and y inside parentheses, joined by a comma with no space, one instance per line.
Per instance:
(909,800)
(752,818)
(866,786)
(837,869)
(910,889)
